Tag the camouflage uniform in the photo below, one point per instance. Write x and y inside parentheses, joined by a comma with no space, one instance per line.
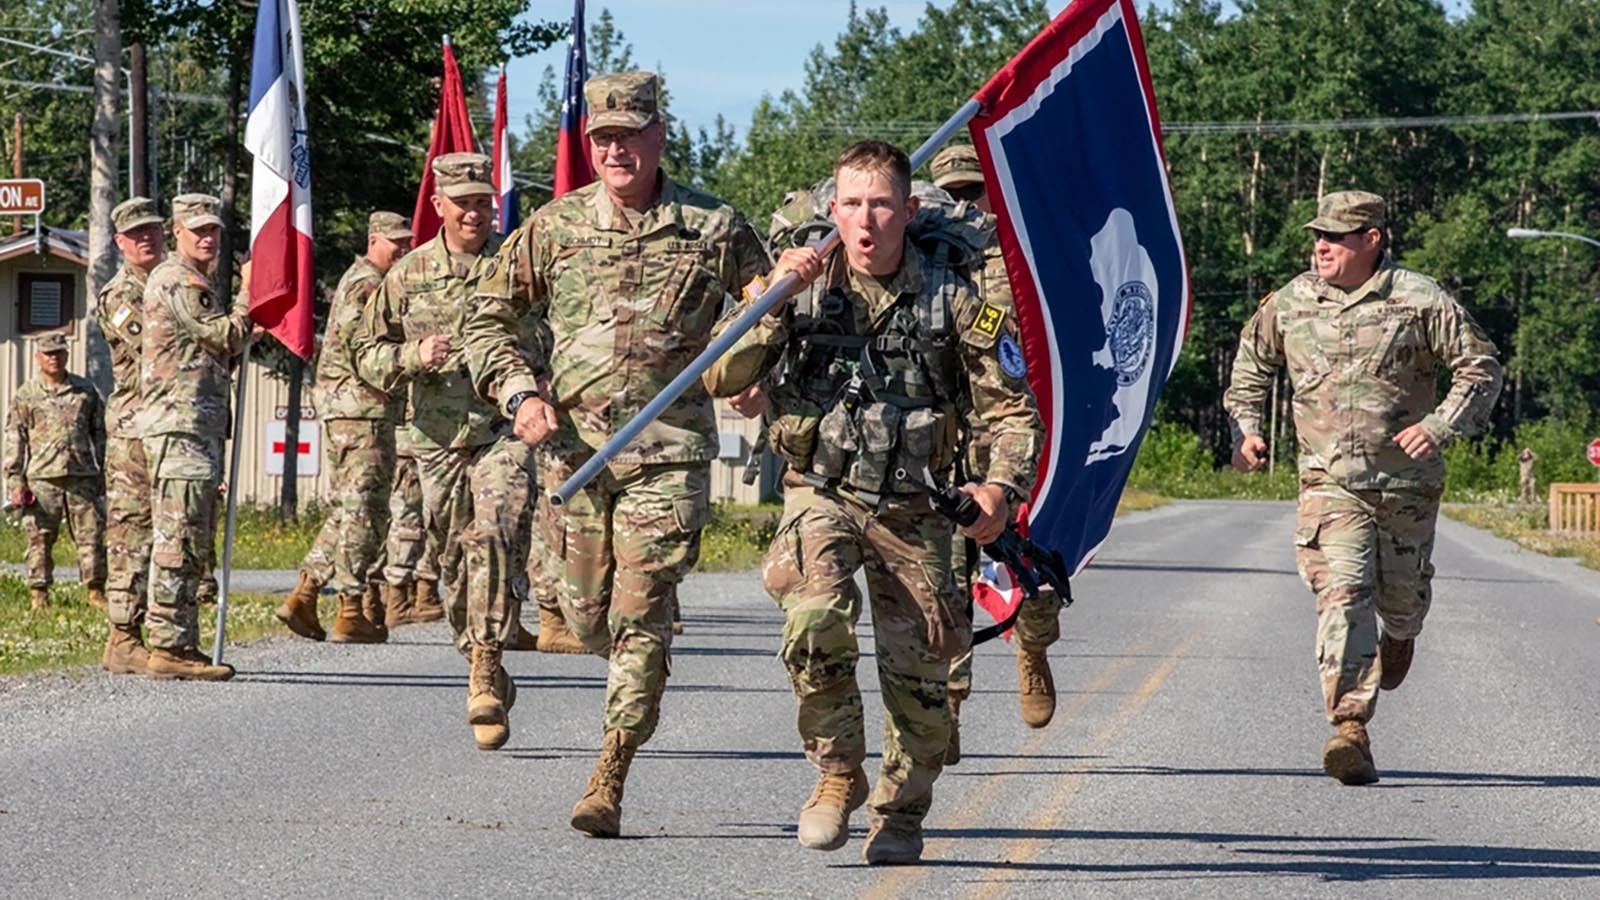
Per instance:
(55,440)
(448,427)
(359,422)
(1362,363)
(404,559)
(854,498)
(120,310)
(613,304)
(190,339)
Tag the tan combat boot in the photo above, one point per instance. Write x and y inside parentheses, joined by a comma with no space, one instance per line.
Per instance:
(185,663)
(97,599)
(486,709)
(599,812)
(521,638)
(39,598)
(892,845)
(398,605)
(299,610)
(1394,660)
(125,651)
(1347,755)
(1036,688)
(825,819)
(351,626)
(555,636)
(372,610)
(427,606)
(952,750)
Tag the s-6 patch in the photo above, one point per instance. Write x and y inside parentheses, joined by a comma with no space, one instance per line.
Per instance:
(989,320)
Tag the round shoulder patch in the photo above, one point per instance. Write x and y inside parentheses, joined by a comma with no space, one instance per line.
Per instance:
(1012,362)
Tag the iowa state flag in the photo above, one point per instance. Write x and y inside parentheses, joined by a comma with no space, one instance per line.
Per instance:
(281,279)
(1071,151)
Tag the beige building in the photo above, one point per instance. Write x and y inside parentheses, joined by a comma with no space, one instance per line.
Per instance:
(42,283)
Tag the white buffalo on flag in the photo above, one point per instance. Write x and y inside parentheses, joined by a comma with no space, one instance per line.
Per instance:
(1071,150)
(281,277)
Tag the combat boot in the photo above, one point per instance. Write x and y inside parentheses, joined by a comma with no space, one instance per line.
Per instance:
(427,606)
(486,710)
(185,664)
(892,845)
(521,638)
(125,651)
(825,819)
(1347,755)
(97,599)
(398,605)
(372,610)
(555,636)
(1394,659)
(599,812)
(299,610)
(952,750)
(351,625)
(1036,688)
(39,598)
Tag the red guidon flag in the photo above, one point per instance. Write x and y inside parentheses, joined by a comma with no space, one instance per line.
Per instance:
(452,133)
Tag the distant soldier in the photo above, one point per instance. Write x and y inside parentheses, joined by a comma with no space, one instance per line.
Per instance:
(957,171)
(55,440)
(190,338)
(1363,339)
(408,561)
(359,421)
(621,280)
(1527,490)
(412,337)
(141,239)
(897,355)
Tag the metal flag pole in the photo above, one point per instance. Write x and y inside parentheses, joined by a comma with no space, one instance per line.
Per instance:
(776,293)
(233,503)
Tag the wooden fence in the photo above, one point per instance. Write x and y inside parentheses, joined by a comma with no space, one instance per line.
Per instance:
(1575,509)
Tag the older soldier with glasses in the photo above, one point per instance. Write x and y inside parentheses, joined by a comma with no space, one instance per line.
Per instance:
(1363,339)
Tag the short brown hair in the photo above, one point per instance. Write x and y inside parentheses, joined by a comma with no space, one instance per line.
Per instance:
(877,156)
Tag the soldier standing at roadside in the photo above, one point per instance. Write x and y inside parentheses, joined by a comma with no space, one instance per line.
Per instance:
(55,440)
(1363,339)
(360,422)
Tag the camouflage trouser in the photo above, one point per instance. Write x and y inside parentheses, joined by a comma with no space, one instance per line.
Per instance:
(183,504)
(494,538)
(79,502)
(1038,625)
(348,548)
(1367,556)
(127,530)
(542,571)
(624,544)
(446,510)
(919,624)
(404,559)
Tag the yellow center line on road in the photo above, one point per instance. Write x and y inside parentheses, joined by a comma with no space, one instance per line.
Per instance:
(897,882)
(1024,849)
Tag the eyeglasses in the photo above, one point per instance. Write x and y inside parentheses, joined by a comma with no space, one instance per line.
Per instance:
(971,191)
(1336,237)
(625,139)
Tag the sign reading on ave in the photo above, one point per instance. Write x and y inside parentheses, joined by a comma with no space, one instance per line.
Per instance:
(1594,451)
(21,196)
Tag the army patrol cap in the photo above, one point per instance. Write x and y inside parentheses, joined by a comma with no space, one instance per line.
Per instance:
(389,225)
(135,212)
(623,100)
(957,164)
(196,210)
(462,175)
(1345,211)
(53,342)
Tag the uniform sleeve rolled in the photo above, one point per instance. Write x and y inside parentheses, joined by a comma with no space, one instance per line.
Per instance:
(1254,366)
(1475,373)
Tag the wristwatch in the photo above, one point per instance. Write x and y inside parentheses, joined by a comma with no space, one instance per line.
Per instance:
(516,401)
(1012,495)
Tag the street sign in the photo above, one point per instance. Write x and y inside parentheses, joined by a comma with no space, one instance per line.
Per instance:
(21,196)
(310,448)
(1594,451)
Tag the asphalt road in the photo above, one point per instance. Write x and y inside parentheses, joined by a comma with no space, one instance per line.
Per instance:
(1183,761)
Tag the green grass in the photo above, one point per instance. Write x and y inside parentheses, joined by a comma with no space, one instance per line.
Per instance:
(1527,526)
(70,633)
(263,541)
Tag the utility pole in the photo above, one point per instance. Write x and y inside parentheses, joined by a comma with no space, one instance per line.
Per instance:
(138,122)
(16,165)
(103,176)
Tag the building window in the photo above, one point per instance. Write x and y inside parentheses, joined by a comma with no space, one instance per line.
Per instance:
(44,302)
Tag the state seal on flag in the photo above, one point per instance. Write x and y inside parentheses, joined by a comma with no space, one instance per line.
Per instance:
(1131,332)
